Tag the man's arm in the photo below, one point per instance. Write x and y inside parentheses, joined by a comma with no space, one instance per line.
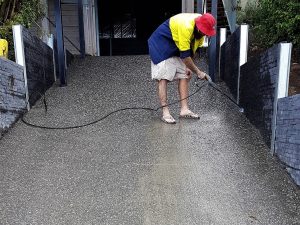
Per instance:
(191,65)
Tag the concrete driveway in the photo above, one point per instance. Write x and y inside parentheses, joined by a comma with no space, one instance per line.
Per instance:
(131,168)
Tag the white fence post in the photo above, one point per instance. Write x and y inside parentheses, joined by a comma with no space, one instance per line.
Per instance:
(50,43)
(188,6)
(20,56)
(223,32)
(281,89)
(244,44)
(243,54)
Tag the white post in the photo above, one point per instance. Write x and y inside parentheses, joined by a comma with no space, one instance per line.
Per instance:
(89,17)
(20,56)
(205,6)
(243,54)
(45,22)
(223,32)
(188,6)
(244,44)
(222,36)
(50,43)
(97,28)
(282,87)
(284,69)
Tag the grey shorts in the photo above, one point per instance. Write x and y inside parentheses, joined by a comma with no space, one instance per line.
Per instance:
(170,69)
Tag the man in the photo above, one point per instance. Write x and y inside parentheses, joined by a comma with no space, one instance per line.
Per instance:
(171,48)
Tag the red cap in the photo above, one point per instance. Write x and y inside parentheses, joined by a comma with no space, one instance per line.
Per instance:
(206,24)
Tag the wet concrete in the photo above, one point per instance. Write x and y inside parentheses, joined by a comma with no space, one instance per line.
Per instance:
(133,169)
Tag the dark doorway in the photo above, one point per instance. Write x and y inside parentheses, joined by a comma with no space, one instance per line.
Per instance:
(125,25)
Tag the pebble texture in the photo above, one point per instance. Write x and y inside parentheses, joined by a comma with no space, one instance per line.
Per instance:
(133,169)
(287,143)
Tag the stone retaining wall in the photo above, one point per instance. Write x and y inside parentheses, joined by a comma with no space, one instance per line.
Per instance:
(287,141)
(12,93)
(258,81)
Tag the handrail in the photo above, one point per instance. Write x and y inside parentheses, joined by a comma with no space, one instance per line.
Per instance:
(230,7)
(64,35)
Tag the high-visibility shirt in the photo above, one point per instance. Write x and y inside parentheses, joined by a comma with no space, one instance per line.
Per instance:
(174,37)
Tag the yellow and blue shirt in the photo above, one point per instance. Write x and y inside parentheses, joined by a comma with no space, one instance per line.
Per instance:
(174,37)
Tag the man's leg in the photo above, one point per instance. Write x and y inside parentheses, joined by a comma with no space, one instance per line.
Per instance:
(183,88)
(162,93)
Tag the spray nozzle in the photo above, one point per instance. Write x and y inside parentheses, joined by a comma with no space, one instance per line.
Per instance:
(208,78)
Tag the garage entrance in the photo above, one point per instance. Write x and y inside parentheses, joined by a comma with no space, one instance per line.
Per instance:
(125,25)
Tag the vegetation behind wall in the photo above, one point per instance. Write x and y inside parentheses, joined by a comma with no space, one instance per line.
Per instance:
(272,21)
(24,12)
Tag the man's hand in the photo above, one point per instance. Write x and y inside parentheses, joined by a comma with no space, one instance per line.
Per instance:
(191,66)
(188,73)
(201,75)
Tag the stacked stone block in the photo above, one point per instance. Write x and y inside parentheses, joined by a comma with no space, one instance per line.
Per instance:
(258,81)
(12,93)
(287,141)
(38,64)
(22,84)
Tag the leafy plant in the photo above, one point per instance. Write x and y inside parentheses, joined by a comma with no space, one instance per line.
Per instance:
(273,21)
(12,12)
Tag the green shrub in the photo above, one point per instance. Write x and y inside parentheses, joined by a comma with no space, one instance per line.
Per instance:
(24,12)
(272,21)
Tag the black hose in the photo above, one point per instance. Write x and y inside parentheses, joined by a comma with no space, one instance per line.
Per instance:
(109,114)
(212,84)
